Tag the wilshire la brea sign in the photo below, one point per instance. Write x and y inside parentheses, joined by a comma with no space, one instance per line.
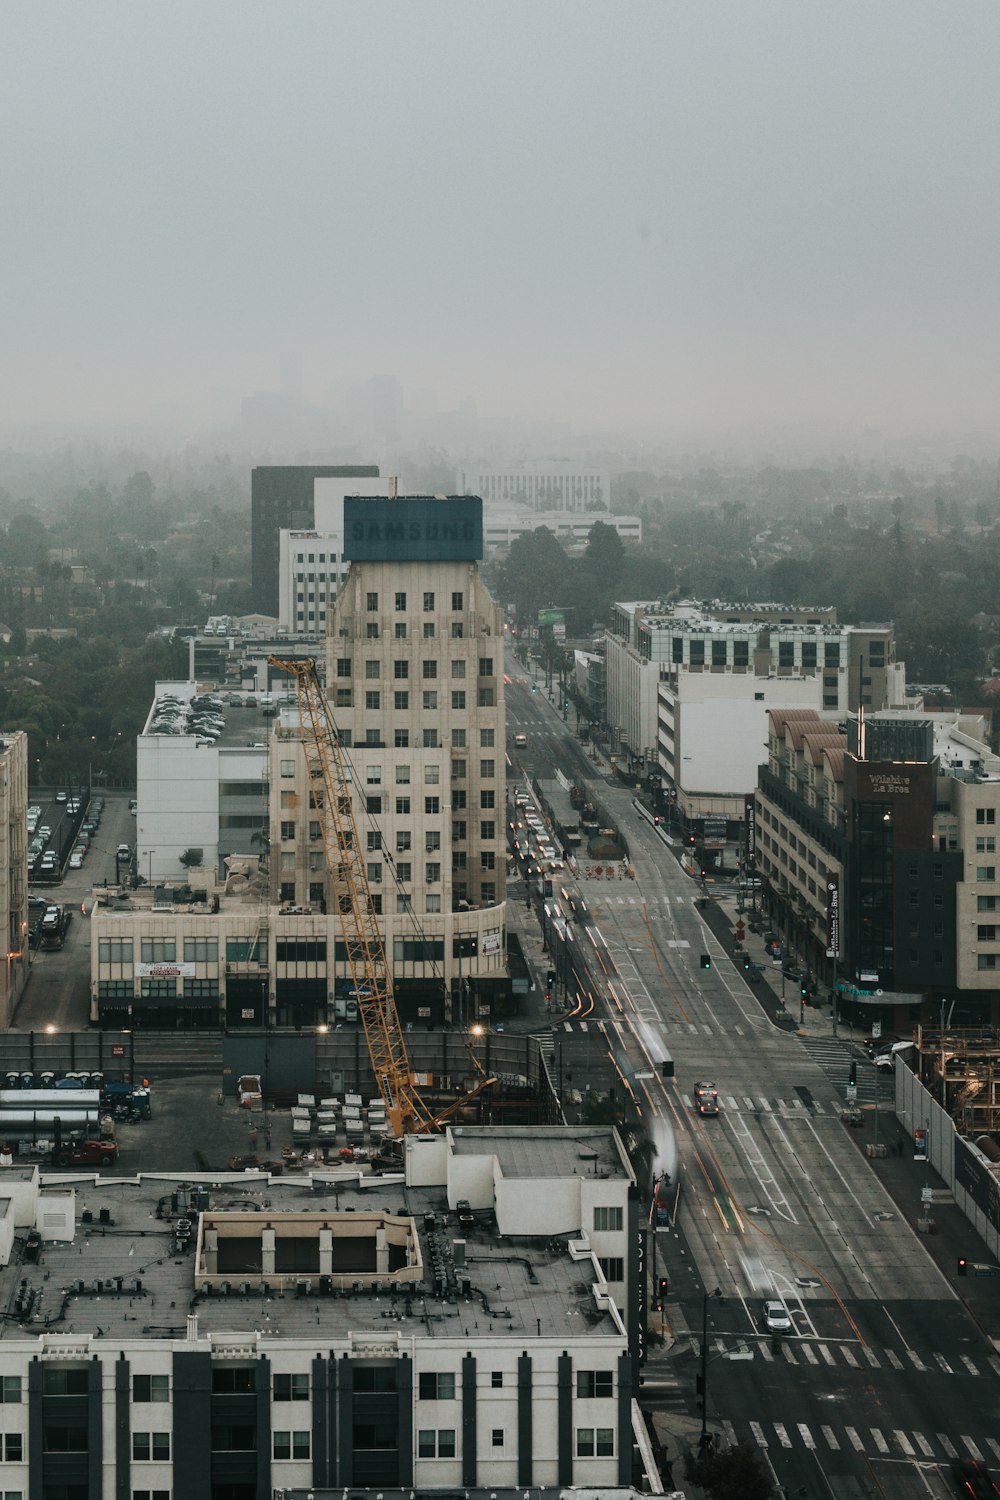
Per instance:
(420,529)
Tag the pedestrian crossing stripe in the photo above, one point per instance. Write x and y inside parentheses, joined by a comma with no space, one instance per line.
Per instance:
(867,1440)
(795,1351)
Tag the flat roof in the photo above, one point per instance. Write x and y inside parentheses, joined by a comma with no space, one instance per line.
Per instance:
(525,1287)
(556,1151)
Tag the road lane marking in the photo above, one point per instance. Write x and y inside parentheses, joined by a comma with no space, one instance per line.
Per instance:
(730,1432)
(832,1442)
(994,1445)
(783,1437)
(806,1436)
(904,1443)
(946,1367)
(973,1450)
(967,1362)
(917,1362)
(994,1364)
(827,1354)
(787,1351)
(850,1356)
(947,1445)
(879,1440)
(894,1359)
(923,1445)
(856,1442)
(767,1354)
(809,1354)
(872,1358)
(758,1433)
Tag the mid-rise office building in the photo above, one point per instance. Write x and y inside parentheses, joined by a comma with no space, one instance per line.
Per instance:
(285,497)
(876,854)
(545,484)
(13,868)
(570,528)
(689,686)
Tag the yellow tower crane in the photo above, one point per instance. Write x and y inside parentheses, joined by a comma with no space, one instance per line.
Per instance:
(330,788)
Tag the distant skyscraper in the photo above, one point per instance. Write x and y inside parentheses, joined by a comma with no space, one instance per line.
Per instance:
(282,498)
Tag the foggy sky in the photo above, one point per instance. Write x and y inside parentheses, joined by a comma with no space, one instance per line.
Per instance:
(672,216)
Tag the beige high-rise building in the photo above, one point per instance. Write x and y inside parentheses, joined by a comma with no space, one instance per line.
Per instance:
(414,677)
(13,868)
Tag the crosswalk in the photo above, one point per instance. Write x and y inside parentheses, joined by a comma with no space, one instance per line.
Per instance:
(762,1104)
(838,1352)
(872,1442)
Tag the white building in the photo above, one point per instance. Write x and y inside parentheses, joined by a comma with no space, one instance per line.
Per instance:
(543,484)
(311,569)
(689,686)
(349,1334)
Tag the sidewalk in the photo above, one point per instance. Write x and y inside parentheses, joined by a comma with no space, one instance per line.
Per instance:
(903,1177)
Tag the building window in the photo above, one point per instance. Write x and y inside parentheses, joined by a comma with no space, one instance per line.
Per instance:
(986,872)
(986,903)
(373,669)
(401,670)
(371,630)
(595,1442)
(593,1383)
(401,701)
(430,700)
(12,1447)
(432,841)
(115,950)
(486,666)
(437,1386)
(719,653)
(488,829)
(488,892)
(373,699)
(986,815)
(432,904)
(457,630)
(432,806)
(158,951)
(287,832)
(404,870)
(345,666)
(290,1445)
(288,768)
(496,1379)
(430,737)
(607,1219)
(371,602)
(373,775)
(487,769)
(430,670)
(986,934)
(436,1444)
(613,1267)
(458,667)
(987,961)
(456,601)
(399,630)
(485,697)
(429,631)
(374,872)
(496,1439)
(487,859)
(458,700)
(458,770)
(10,1390)
(433,873)
(487,739)
(428,603)
(374,841)
(373,805)
(401,739)
(487,799)
(150,1388)
(458,739)
(400,602)
(154,1446)
(136,1495)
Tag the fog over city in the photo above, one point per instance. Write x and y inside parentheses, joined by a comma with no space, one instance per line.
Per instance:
(682,223)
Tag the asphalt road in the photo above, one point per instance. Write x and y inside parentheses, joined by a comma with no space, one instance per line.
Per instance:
(886,1378)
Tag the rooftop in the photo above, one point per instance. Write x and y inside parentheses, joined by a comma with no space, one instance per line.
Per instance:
(558,1151)
(132,1270)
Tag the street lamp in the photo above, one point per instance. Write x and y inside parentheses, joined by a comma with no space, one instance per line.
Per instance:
(704,1364)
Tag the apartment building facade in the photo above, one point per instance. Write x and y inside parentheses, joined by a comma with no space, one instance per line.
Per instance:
(286,497)
(876,850)
(544,484)
(13,869)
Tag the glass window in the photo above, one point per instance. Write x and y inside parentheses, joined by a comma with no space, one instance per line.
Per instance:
(430,670)
(429,631)
(595,1442)
(400,601)
(593,1383)
(401,670)
(158,951)
(373,669)
(430,700)
(373,699)
(437,1386)
(401,739)
(10,1390)
(456,601)
(428,602)
(487,739)
(458,700)
(371,601)
(458,739)
(607,1219)
(458,667)
(150,1388)
(486,666)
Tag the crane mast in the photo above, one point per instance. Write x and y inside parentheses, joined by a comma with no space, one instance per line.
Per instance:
(330,794)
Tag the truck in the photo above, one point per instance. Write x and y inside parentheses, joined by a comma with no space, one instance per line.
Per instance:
(86,1153)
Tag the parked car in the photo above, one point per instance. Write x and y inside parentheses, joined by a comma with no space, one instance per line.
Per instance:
(87,1154)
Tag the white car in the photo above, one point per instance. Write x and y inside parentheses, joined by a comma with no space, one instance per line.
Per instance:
(776,1319)
(76,860)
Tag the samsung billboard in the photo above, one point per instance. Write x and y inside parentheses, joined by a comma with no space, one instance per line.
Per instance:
(417,528)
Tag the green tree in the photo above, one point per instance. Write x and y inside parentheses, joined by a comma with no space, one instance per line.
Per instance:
(732,1474)
(535,573)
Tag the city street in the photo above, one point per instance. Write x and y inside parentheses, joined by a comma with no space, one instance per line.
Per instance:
(884,1377)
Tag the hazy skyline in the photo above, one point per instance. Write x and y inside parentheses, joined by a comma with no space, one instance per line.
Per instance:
(684,217)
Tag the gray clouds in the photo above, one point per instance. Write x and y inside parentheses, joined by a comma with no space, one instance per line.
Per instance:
(687,216)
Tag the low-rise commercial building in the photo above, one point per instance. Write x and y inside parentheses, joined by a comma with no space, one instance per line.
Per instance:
(240,1335)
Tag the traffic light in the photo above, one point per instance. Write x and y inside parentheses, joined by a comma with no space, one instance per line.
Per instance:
(534,687)
(550,979)
(746,963)
(804,990)
(690,838)
(656,820)
(706,961)
(704,872)
(963,1266)
(661,1293)
(852,1077)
